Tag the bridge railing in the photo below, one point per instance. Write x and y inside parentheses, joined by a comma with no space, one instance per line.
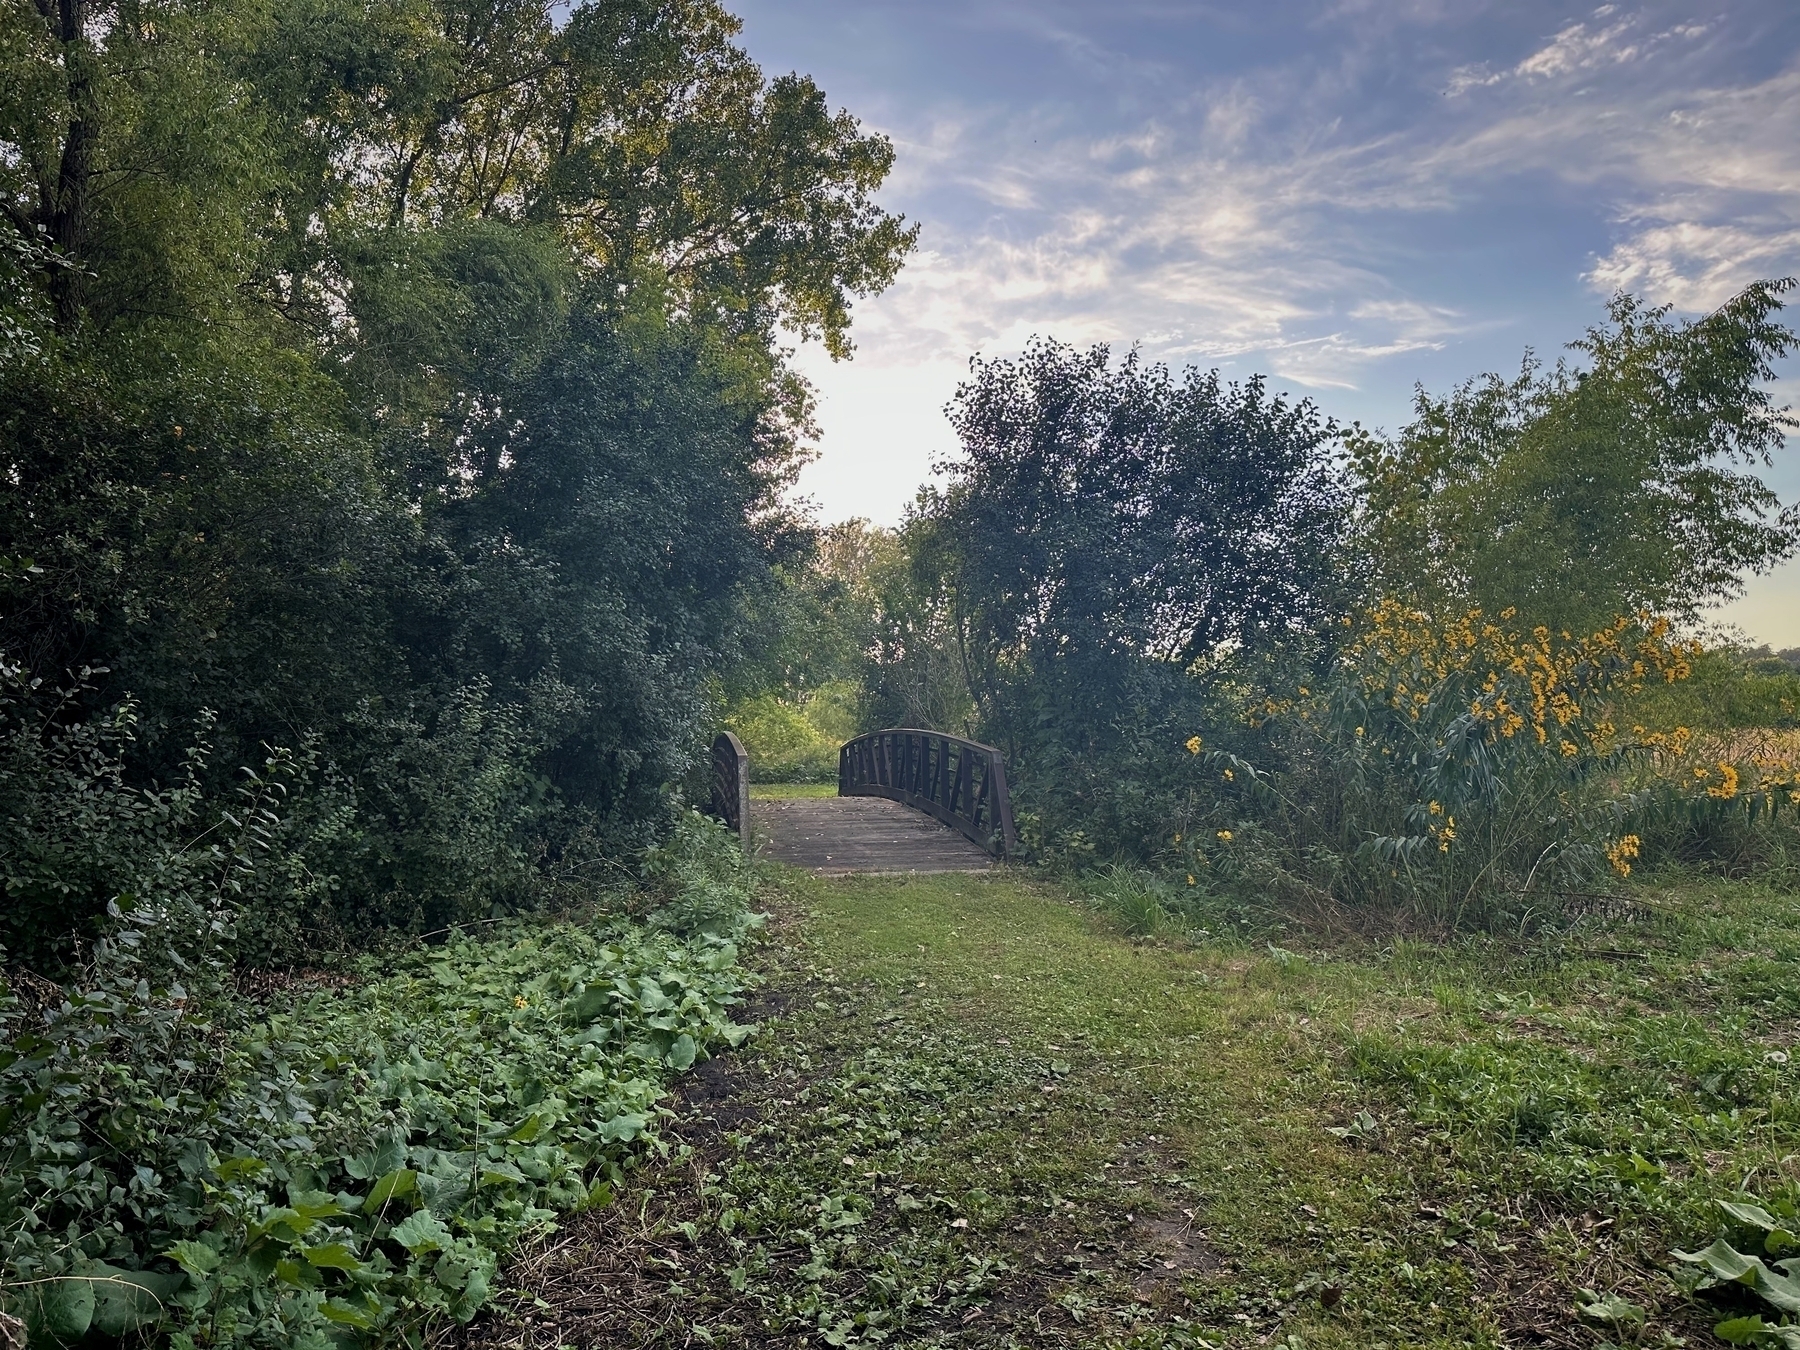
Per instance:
(962,783)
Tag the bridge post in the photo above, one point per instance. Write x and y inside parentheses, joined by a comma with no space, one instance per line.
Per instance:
(731,785)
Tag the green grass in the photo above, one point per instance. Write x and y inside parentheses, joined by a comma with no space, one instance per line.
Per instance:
(985,1115)
(773,792)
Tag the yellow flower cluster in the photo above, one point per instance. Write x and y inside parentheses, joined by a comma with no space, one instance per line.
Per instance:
(1727,786)
(1621,851)
(1445,834)
(1539,681)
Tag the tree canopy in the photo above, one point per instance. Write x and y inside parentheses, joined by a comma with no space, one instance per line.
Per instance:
(400,382)
(1622,481)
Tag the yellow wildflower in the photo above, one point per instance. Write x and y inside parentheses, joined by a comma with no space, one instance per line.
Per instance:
(518,1000)
(1569,749)
(1193,745)
(1190,878)
(1621,851)
(1230,777)
(1728,783)
(1436,808)
(1225,836)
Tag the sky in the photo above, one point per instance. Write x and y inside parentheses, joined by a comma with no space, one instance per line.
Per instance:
(1353,197)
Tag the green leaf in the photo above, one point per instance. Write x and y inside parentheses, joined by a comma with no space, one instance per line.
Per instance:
(590,1005)
(681,1054)
(1753,1215)
(1740,1330)
(310,1205)
(348,1314)
(402,1181)
(384,1157)
(624,1127)
(1727,1263)
(332,1256)
(527,1130)
(130,1300)
(61,1310)
(1611,1308)
(422,1232)
(500,1171)
(195,1258)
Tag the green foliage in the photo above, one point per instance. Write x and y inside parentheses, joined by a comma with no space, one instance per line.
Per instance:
(1110,529)
(175,1157)
(399,385)
(793,741)
(1626,484)
(1727,690)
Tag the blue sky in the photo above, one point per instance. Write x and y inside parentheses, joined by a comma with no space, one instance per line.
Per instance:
(1350,197)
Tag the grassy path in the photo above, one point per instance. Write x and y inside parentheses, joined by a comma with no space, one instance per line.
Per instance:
(980,1115)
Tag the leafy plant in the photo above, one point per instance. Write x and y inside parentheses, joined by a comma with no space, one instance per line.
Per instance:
(354,1163)
(1775,1281)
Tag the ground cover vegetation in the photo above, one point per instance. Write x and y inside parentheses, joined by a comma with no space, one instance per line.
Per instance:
(979,1111)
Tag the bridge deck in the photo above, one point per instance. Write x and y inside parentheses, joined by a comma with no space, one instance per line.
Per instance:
(836,835)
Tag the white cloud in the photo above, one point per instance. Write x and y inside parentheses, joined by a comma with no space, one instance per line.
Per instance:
(1252,222)
(1694,266)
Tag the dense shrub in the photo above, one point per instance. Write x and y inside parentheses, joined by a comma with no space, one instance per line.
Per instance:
(354,1159)
(1466,772)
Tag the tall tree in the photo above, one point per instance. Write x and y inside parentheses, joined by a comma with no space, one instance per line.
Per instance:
(1625,480)
(1110,525)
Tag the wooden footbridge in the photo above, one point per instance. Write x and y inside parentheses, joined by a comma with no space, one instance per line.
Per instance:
(908,801)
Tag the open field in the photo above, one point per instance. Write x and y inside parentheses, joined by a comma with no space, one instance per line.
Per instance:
(980,1115)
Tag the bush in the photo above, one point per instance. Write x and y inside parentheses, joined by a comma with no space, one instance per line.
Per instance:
(354,1162)
(1467,773)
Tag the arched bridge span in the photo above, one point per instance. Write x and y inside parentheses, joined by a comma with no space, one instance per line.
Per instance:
(909,800)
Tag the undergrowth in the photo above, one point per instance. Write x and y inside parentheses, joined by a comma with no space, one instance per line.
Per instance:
(346,1165)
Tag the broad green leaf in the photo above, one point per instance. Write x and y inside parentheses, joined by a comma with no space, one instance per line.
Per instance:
(331,1256)
(682,1053)
(591,1004)
(348,1314)
(422,1232)
(1727,1263)
(500,1171)
(130,1300)
(195,1258)
(315,1205)
(1740,1330)
(403,1181)
(62,1309)
(386,1155)
(1753,1215)
(624,1127)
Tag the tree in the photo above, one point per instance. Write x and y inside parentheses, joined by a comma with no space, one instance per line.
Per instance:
(1113,516)
(1578,493)
(401,381)
(1113,540)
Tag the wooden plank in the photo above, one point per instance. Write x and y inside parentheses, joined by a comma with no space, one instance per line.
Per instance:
(838,835)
